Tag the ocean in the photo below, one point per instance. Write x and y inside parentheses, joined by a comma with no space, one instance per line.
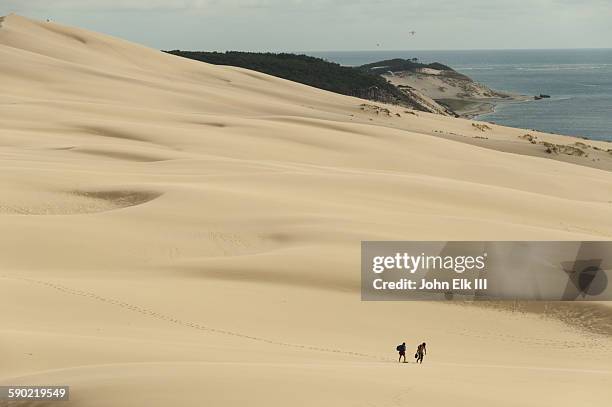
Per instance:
(579,82)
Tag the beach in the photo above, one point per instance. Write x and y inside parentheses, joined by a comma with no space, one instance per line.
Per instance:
(178,233)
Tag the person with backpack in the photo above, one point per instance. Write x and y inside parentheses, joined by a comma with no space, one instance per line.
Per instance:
(402,352)
(421,351)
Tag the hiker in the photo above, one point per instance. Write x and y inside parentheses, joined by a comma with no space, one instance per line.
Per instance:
(402,351)
(421,351)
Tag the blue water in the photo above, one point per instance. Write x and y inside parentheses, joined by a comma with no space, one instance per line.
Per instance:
(579,81)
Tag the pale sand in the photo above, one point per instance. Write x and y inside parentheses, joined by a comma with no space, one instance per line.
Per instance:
(176,233)
(459,93)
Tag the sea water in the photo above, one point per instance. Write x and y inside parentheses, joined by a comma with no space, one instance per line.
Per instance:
(579,82)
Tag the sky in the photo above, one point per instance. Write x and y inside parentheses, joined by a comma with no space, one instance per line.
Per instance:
(336,25)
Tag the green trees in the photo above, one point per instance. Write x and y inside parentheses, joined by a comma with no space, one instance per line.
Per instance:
(310,71)
(398,64)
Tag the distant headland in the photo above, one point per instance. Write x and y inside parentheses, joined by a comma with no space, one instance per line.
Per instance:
(431,87)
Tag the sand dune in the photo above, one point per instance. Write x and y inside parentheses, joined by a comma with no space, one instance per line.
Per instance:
(177,233)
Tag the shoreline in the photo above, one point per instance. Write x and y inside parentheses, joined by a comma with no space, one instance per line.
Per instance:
(472,108)
(475,109)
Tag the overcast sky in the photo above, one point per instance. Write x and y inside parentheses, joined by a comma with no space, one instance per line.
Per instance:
(302,25)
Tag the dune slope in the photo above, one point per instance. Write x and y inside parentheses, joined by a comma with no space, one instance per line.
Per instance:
(176,233)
